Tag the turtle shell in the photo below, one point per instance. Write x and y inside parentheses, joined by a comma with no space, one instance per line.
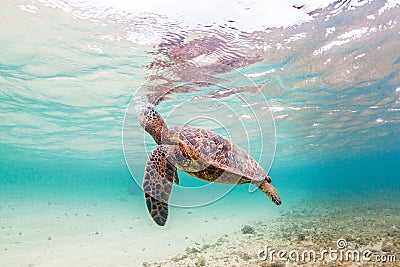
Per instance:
(212,157)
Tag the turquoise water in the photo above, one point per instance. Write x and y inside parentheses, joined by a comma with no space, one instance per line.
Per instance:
(315,100)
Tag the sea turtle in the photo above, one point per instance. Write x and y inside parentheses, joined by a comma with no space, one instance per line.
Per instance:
(199,152)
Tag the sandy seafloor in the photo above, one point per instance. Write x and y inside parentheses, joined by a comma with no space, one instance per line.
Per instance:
(113,229)
(366,222)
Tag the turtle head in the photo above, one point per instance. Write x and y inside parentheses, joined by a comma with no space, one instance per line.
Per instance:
(152,122)
(271,192)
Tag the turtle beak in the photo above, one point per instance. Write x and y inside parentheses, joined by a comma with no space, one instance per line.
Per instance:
(142,118)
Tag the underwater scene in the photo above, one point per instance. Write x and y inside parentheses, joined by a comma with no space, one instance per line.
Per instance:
(199,133)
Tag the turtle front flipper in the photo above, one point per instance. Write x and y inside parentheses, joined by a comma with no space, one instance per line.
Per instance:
(157,183)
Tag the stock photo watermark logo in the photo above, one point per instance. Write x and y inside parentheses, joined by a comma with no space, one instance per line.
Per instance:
(340,253)
(228,103)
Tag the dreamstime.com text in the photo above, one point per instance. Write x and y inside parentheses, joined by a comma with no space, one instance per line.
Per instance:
(339,254)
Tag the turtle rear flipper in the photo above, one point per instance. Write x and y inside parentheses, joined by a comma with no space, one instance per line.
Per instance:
(270,191)
(157,183)
(176,178)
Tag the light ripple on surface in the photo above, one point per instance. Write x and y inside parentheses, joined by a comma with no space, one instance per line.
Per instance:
(66,80)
